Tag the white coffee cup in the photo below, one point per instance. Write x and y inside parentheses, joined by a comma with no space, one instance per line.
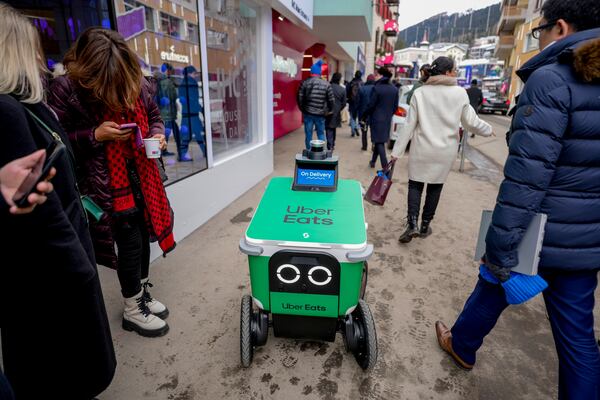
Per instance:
(152,147)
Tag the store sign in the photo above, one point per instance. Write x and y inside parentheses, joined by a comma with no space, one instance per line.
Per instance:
(387,59)
(172,56)
(391,26)
(303,9)
(284,65)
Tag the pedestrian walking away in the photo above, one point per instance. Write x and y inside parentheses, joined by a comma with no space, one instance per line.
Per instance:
(379,111)
(552,168)
(191,109)
(166,99)
(425,72)
(364,96)
(432,127)
(104,89)
(315,100)
(56,340)
(334,120)
(352,94)
(475,97)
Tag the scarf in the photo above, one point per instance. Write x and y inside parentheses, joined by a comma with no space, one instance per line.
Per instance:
(157,210)
(441,80)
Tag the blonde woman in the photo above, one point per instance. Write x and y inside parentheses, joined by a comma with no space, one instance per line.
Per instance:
(56,341)
(436,111)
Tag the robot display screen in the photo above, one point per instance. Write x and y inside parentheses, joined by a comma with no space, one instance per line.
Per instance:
(315,177)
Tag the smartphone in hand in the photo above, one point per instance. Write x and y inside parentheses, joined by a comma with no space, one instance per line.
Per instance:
(136,131)
(37,174)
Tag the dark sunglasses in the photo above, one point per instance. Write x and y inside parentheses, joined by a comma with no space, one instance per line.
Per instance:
(535,32)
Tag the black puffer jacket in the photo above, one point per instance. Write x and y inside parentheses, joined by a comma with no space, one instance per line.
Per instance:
(315,97)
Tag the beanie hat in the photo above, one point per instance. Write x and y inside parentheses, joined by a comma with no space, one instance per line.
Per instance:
(316,68)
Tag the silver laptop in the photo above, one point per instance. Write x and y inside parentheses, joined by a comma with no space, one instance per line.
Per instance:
(529,249)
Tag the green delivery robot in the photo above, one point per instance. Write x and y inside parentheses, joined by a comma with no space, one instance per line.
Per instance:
(307,251)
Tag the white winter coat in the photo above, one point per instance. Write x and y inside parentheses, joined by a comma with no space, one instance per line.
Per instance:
(436,111)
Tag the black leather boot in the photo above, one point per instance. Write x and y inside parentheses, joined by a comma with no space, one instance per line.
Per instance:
(412,229)
(425,229)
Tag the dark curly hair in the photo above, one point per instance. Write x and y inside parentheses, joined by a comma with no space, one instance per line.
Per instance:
(581,14)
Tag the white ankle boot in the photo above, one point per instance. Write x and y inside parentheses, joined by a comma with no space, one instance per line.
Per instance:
(156,307)
(137,317)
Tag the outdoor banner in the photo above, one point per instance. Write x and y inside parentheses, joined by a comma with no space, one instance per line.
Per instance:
(131,23)
(391,26)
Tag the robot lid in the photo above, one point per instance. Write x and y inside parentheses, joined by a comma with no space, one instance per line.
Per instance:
(309,219)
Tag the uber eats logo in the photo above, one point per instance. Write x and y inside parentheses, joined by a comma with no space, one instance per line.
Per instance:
(317,275)
(306,215)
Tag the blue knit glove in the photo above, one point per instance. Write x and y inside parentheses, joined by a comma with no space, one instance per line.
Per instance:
(519,287)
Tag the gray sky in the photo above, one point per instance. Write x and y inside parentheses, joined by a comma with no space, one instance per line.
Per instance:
(415,11)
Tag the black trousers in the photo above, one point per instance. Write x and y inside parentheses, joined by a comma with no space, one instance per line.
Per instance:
(432,198)
(364,128)
(133,245)
(331,133)
(379,151)
(133,241)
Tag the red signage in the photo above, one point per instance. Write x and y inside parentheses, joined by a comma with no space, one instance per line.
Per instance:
(391,26)
(387,59)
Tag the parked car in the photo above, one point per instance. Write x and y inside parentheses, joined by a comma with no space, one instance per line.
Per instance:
(399,118)
(493,103)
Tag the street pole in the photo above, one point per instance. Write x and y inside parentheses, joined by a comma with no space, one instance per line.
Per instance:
(463,145)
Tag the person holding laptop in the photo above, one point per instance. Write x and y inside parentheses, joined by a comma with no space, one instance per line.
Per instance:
(552,168)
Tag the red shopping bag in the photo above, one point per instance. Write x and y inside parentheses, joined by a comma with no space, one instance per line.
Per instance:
(379,188)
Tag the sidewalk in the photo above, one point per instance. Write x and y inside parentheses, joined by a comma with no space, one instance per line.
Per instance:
(409,288)
(494,148)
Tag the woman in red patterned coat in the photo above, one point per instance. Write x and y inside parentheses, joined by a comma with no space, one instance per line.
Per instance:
(103,89)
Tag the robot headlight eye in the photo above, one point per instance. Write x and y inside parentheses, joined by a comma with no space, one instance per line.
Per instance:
(319,275)
(288,273)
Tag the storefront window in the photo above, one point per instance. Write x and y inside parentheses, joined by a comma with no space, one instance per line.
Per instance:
(171,55)
(231,28)
(59,25)
(171,62)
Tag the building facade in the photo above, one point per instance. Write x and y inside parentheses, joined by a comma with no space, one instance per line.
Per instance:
(426,53)
(296,46)
(484,47)
(526,46)
(512,16)
(379,49)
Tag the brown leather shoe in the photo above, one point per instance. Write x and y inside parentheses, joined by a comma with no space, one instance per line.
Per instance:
(444,337)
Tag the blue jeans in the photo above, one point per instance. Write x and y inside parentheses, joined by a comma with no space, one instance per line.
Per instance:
(353,120)
(311,122)
(570,303)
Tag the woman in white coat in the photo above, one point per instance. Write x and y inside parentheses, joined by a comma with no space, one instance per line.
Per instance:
(436,111)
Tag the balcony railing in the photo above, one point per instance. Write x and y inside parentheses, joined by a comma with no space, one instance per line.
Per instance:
(513,12)
(506,41)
